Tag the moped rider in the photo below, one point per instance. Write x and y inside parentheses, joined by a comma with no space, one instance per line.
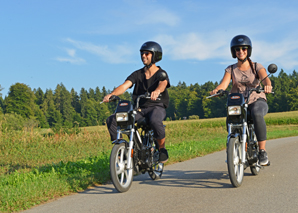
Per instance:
(146,80)
(246,75)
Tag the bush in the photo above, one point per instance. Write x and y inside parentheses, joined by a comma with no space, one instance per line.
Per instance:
(194,117)
(13,121)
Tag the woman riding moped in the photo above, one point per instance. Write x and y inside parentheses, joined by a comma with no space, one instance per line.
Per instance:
(246,75)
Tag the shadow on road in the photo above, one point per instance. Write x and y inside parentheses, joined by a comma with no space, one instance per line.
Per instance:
(176,178)
(192,179)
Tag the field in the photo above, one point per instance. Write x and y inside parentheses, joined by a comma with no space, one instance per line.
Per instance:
(37,166)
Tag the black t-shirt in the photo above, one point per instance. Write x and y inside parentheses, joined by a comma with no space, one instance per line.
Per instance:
(143,85)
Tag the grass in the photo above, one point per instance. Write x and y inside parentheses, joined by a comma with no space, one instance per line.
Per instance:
(37,166)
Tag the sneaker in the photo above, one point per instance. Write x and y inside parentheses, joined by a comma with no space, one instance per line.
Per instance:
(163,155)
(263,158)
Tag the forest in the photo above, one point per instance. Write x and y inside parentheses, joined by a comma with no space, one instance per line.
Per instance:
(60,108)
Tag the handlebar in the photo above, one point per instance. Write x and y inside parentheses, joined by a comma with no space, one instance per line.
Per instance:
(223,92)
(147,95)
(219,93)
(257,90)
(114,98)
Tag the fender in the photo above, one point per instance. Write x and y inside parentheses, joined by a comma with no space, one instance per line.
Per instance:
(119,141)
(232,135)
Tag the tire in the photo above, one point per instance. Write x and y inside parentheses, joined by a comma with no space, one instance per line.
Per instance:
(235,167)
(156,171)
(121,177)
(254,169)
(157,168)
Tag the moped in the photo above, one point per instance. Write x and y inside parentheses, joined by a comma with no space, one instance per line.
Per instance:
(242,146)
(140,154)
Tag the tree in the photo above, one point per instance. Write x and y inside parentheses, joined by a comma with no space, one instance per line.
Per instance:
(39,96)
(62,100)
(20,100)
(293,99)
(75,101)
(103,112)
(91,94)
(54,117)
(90,117)
(98,95)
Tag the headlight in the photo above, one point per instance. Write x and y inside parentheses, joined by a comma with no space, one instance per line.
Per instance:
(121,116)
(234,110)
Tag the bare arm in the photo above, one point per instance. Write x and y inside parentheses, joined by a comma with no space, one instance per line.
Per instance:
(267,82)
(119,90)
(224,83)
(160,88)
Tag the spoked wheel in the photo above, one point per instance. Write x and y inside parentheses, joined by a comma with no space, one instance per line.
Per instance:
(120,175)
(255,170)
(235,167)
(156,171)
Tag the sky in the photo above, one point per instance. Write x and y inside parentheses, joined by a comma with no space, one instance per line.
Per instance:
(90,43)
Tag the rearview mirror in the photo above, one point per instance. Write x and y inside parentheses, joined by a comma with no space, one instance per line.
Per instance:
(272,68)
(162,76)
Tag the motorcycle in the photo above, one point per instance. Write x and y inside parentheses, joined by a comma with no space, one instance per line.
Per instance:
(242,146)
(141,153)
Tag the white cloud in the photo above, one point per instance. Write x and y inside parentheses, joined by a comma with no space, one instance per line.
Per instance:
(284,53)
(114,55)
(195,46)
(73,59)
(215,46)
(71,52)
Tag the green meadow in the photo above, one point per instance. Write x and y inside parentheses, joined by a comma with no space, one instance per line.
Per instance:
(38,165)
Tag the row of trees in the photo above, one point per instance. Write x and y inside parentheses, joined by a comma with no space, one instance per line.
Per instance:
(191,100)
(63,108)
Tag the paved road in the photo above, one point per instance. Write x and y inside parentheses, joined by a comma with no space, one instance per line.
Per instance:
(199,185)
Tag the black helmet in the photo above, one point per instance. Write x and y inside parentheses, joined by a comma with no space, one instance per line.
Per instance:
(240,40)
(153,47)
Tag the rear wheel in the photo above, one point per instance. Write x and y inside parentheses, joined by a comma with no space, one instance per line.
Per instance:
(235,167)
(255,170)
(156,171)
(120,175)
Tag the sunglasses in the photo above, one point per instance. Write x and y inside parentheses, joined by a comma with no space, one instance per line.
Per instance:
(241,48)
(145,52)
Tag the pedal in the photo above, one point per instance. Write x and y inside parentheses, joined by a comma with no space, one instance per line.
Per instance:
(261,166)
(258,165)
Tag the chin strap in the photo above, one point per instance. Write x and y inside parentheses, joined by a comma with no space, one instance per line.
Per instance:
(148,66)
(242,60)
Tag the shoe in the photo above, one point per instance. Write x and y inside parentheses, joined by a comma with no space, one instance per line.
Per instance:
(163,155)
(263,158)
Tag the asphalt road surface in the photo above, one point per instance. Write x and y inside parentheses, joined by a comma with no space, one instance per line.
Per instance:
(199,185)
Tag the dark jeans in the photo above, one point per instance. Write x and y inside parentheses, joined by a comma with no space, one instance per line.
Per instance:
(258,110)
(155,116)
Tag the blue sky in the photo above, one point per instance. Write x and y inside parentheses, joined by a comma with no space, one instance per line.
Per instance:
(90,43)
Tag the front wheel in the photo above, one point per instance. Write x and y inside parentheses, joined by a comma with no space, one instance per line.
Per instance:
(120,175)
(235,166)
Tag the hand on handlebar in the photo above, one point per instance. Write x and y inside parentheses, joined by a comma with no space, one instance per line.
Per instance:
(154,95)
(213,92)
(109,98)
(106,99)
(268,89)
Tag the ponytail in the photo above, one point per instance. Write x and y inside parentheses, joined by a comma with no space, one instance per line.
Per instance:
(252,68)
